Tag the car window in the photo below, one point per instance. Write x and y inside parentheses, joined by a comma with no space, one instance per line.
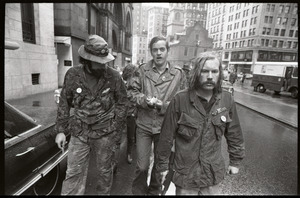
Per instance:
(16,122)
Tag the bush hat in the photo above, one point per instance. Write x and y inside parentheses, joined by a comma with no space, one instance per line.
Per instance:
(95,49)
(186,67)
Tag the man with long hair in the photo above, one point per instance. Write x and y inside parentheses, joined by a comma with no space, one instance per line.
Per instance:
(196,119)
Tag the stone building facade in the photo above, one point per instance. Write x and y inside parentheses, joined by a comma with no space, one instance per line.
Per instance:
(32,68)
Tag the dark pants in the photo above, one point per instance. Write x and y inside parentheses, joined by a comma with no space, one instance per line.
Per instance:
(131,128)
(144,141)
(78,163)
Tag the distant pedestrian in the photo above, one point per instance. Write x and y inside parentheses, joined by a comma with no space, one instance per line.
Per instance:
(243,78)
(232,77)
(157,83)
(197,118)
(98,95)
(129,71)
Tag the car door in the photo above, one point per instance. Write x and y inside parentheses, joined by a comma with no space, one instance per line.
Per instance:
(20,156)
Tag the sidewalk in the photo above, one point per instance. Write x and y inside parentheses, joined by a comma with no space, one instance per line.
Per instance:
(286,113)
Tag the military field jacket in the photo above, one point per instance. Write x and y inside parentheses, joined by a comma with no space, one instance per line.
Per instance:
(149,83)
(95,112)
(198,158)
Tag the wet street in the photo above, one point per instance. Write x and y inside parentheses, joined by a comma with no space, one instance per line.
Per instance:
(270,166)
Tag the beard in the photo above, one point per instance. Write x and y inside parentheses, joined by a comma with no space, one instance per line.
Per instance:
(98,73)
(200,85)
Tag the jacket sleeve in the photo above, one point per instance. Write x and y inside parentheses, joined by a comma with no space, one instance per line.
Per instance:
(64,105)
(121,104)
(167,135)
(135,90)
(234,138)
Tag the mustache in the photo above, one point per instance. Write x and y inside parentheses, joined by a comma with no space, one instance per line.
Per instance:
(209,82)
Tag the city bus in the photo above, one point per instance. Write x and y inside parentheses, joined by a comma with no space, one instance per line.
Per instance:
(276,76)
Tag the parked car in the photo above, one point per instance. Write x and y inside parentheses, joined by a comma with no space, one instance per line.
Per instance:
(226,85)
(33,162)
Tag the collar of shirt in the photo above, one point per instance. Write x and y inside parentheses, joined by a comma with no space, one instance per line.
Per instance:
(207,104)
(155,68)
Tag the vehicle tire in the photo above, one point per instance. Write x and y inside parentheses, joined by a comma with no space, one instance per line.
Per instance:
(261,88)
(48,183)
(294,93)
(277,92)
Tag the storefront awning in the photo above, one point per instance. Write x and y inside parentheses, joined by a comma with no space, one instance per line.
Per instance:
(63,39)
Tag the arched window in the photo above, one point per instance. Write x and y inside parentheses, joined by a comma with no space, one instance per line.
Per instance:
(128,32)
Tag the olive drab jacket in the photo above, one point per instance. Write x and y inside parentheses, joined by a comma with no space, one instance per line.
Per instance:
(96,113)
(149,83)
(198,158)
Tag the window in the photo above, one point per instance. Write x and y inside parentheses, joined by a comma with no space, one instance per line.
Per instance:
(276,32)
(293,22)
(291,33)
(284,21)
(264,30)
(274,43)
(280,44)
(270,19)
(262,42)
(296,34)
(272,8)
(295,9)
(266,19)
(226,55)
(268,31)
(289,44)
(35,78)
(185,51)
(278,20)
(295,44)
(282,33)
(287,9)
(267,42)
(268,7)
(28,26)
(281,9)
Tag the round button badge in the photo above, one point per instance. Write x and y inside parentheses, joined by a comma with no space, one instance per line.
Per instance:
(79,90)
(223,118)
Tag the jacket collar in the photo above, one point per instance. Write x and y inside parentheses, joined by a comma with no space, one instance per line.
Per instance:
(149,66)
(196,102)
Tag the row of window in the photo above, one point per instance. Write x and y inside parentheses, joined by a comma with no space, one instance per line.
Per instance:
(284,21)
(276,56)
(263,43)
(280,32)
(262,56)
(278,44)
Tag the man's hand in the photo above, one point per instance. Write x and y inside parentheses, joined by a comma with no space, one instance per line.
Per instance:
(163,176)
(232,170)
(158,104)
(60,140)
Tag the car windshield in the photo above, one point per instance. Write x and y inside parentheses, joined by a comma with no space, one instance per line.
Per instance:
(16,122)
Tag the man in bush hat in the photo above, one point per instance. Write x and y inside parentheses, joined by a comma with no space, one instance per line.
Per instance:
(98,95)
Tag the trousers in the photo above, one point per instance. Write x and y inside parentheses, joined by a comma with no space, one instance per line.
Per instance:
(78,163)
(144,141)
(209,190)
(131,129)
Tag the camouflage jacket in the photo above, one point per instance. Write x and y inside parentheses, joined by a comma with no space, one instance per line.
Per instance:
(95,113)
(149,83)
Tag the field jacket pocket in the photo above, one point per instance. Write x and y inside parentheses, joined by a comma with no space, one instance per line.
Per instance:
(187,127)
(220,121)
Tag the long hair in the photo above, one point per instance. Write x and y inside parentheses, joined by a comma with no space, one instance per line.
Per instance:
(196,71)
(129,71)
